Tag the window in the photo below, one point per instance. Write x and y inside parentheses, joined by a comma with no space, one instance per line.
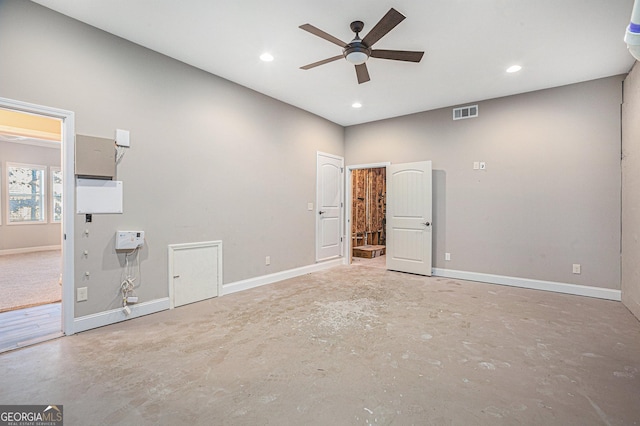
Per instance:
(56,195)
(27,196)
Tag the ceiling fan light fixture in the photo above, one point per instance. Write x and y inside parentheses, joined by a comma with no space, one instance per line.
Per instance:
(356,105)
(514,68)
(357,57)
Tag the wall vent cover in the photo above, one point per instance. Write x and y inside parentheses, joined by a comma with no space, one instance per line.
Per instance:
(469,111)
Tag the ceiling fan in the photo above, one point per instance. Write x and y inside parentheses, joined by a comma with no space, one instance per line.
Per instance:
(358,50)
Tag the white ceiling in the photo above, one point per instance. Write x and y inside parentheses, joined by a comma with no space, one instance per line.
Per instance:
(468,45)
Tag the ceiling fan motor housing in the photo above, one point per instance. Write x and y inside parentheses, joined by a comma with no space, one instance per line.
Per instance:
(356,52)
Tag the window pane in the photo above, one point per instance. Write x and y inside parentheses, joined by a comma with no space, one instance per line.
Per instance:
(56,185)
(26,194)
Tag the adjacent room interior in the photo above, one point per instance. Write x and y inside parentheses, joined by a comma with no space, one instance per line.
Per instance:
(253,240)
(30,248)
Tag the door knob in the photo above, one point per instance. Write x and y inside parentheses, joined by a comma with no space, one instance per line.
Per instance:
(427,224)
(321,212)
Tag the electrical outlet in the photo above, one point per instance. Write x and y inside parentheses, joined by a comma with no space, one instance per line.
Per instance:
(447,256)
(576,268)
(82,294)
(267,260)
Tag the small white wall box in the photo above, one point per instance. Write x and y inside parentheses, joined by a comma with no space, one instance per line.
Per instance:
(126,240)
(122,137)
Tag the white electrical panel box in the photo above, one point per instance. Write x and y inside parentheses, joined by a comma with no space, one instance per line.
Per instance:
(122,137)
(126,240)
(98,196)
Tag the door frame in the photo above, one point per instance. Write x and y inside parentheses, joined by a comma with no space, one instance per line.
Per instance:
(342,208)
(349,202)
(68,199)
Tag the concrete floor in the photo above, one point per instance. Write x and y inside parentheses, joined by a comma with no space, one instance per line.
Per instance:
(348,346)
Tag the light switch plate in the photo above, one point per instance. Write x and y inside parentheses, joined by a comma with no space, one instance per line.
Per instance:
(82,294)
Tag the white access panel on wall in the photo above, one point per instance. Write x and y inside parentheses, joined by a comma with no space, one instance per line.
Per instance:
(195,272)
(98,196)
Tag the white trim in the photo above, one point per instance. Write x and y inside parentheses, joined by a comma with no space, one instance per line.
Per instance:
(30,141)
(29,250)
(349,201)
(113,316)
(68,201)
(51,197)
(575,289)
(172,248)
(278,276)
(326,154)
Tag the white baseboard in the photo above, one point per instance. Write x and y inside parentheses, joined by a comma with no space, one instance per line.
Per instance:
(278,276)
(113,316)
(578,290)
(29,249)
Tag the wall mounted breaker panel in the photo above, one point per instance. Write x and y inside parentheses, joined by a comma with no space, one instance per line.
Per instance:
(95,157)
(128,240)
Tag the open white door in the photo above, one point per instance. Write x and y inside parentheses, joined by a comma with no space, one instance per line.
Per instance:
(409,217)
(329,177)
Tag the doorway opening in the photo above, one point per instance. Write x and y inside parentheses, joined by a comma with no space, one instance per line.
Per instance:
(367,220)
(407,216)
(33,267)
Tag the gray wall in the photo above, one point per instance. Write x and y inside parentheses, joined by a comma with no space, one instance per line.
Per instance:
(209,160)
(631,192)
(550,196)
(19,236)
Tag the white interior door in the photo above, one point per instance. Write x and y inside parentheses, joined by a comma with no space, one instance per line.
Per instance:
(409,217)
(330,171)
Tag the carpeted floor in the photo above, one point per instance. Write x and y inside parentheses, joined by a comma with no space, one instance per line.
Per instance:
(30,279)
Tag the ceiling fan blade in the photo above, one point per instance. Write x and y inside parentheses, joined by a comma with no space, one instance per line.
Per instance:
(318,32)
(386,24)
(322,62)
(362,73)
(397,55)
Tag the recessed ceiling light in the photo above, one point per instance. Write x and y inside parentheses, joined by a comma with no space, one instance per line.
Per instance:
(514,68)
(266,57)
(356,105)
